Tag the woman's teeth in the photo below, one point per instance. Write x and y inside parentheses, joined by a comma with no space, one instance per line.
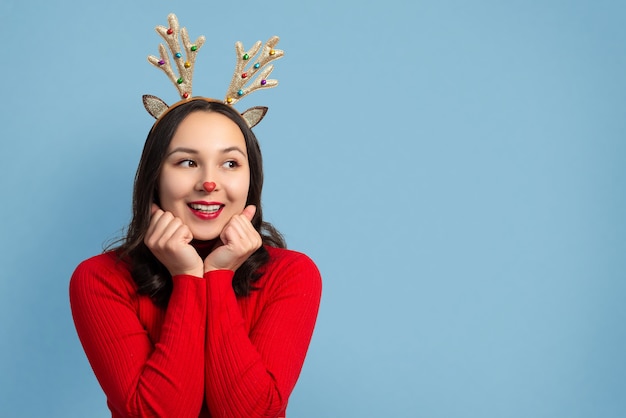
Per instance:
(205,208)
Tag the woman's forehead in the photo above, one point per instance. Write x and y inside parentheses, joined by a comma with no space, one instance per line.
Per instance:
(208,129)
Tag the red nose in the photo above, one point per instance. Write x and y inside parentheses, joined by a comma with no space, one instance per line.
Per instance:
(209,186)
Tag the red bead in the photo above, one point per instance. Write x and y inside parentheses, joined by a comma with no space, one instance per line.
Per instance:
(185,95)
(244,75)
(170,31)
(209,186)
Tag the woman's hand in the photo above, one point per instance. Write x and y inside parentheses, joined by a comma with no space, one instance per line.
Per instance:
(237,242)
(168,238)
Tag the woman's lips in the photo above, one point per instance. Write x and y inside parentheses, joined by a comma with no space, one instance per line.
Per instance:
(206,210)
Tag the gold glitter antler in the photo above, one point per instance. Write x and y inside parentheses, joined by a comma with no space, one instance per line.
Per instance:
(185,65)
(246,80)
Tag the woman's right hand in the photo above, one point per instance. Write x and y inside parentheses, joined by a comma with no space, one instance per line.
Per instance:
(169,240)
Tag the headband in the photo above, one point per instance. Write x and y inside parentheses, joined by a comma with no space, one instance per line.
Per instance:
(251,71)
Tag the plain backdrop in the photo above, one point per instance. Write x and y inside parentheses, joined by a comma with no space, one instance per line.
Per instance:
(455,168)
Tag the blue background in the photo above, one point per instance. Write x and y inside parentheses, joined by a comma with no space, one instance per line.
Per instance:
(455,168)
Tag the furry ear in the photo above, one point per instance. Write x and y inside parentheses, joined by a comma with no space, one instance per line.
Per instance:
(155,106)
(254,115)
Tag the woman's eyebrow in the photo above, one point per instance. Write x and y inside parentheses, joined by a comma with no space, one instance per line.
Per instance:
(182,149)
(194,151)
(229,149)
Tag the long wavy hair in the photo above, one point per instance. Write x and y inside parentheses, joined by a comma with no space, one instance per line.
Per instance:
(150,275)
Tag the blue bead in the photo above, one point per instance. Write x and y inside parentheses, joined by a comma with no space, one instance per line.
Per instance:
(257,65)
(240,93)
(178,55)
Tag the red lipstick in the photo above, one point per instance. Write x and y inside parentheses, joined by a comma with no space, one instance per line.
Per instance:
(206,210)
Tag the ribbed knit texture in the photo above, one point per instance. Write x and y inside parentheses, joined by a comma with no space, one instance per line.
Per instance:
(209,354)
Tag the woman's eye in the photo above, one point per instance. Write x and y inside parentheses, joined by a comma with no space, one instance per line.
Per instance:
(231,164)
(187,163)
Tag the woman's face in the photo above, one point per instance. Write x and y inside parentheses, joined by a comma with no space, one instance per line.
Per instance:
(206,147)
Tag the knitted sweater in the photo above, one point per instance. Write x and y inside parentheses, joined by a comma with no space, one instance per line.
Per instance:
(210,353)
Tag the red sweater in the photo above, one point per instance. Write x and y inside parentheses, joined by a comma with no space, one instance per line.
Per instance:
(210,353)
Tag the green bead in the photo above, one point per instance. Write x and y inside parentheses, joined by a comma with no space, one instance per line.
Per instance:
(194,48)
(180,81)
(246,57)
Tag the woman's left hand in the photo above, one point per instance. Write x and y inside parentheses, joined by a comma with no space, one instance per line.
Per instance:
(238,239)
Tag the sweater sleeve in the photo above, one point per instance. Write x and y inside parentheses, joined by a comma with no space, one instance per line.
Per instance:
(252,374)
(140,377)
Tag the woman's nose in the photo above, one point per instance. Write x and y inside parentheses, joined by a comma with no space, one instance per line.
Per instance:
(209,186)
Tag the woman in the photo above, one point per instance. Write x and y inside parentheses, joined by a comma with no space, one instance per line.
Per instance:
(200,312)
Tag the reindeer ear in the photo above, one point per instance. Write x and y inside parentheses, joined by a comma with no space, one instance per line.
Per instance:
(155,106)
(254,115)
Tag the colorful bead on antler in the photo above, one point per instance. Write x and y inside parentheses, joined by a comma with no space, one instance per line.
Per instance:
(245,80)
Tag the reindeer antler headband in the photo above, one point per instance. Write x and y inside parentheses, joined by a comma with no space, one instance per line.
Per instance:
(251,71)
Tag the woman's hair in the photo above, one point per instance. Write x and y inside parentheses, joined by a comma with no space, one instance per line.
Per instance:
(150,275)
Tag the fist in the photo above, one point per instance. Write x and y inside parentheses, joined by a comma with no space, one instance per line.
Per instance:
(238,241)
(169,240)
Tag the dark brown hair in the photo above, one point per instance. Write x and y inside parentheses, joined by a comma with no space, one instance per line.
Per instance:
(150,275)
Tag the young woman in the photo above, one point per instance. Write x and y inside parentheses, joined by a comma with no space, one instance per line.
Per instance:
(201,311)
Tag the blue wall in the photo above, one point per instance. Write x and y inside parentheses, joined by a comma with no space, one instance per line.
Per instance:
(456,169)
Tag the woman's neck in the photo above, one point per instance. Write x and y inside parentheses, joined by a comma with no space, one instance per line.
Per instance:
(204,247)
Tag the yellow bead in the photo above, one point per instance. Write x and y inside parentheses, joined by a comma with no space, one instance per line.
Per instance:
(229,100)
(272,52)
(187,64)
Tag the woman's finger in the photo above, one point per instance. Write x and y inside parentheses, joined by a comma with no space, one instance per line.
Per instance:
(168,238)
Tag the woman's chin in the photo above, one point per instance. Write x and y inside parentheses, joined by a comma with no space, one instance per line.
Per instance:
(205,234)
